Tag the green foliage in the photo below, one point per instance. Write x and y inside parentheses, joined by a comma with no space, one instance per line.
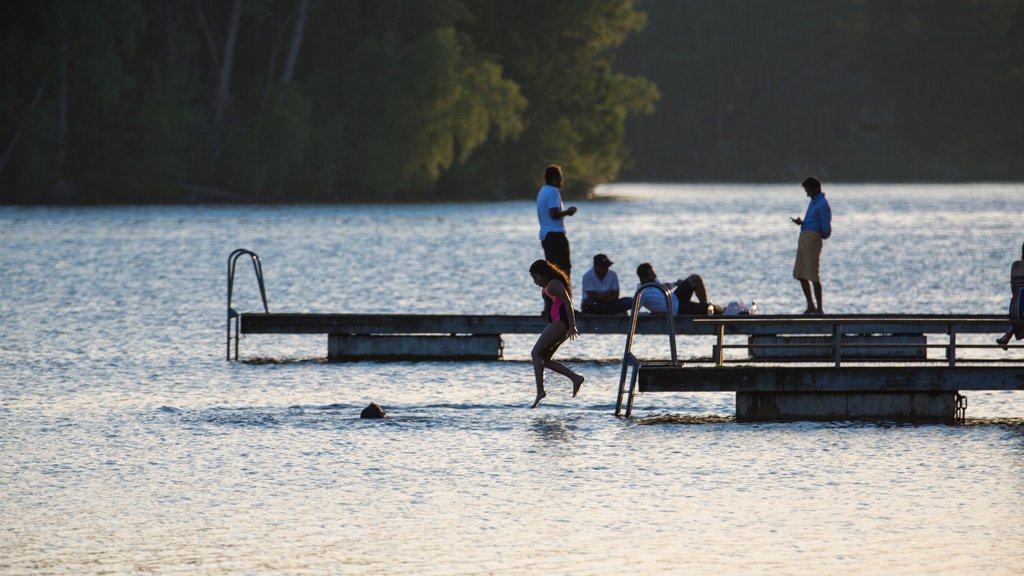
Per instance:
(399,99)
(389,99)
(847,89)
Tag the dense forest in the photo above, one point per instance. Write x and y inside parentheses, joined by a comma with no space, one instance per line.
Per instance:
(851,90)
(378,100)
(311,100)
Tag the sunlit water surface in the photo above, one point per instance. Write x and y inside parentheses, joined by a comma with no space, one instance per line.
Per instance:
(129,445)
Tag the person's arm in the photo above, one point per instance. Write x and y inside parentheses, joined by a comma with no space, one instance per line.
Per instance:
(825,215)
(613,292)
(610,296)
(558,290)
(590,286)
(557,213)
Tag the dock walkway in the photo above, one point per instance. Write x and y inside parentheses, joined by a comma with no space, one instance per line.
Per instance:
(795,367)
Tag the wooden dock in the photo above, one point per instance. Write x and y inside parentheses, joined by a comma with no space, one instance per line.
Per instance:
(434,336)
(471,336)
(844,387)
(795,367)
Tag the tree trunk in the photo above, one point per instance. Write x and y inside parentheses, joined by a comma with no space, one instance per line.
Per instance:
(223,95)
(63,80)
(211,42)
(21,128)
(297,33)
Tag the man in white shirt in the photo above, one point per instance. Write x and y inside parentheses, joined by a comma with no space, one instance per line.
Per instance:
(654,300)
(551,216)
(601,289)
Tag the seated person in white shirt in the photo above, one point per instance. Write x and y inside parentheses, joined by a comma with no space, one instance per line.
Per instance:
(601,289)
(654,300)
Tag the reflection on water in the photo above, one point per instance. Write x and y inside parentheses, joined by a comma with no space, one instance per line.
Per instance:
(127,443)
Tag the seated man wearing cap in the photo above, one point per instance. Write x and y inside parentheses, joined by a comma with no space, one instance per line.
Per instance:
(685,288)
(601,289)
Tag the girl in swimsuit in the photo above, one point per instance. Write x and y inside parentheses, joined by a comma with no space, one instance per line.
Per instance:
(561,326)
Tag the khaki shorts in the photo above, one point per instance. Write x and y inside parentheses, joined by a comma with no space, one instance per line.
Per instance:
(808,253)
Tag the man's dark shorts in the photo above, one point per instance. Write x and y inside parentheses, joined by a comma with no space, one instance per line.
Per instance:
(556,250)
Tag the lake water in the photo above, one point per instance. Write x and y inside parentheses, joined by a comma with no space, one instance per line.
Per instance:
(129,445)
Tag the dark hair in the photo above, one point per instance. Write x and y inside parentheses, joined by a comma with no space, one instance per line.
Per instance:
(644,269)
(812,183)
(1022,251)
(551,272)
(551,172)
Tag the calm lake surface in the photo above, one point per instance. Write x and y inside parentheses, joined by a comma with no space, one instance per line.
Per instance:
(129,445)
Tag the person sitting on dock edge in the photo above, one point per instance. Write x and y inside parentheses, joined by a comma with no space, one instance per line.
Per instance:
(601,289)
(561,326)
(685,288)
(1016,301)
(815,226)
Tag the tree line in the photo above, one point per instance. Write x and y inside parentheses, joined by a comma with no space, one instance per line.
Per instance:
(851,90)
(311,100)
(381,100)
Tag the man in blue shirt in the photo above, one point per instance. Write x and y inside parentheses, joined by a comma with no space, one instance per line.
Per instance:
(815,227)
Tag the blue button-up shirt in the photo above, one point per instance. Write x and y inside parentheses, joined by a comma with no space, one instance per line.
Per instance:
(818,217)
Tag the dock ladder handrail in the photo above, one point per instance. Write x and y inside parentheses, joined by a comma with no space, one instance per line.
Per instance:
(258,269)
(628,359)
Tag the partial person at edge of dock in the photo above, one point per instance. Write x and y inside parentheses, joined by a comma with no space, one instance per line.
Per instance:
(561,326)
(1016,301)
(684,289)
(815,227)
(601,289)
(551,216)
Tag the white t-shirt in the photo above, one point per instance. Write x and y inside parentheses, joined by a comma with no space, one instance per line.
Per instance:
(549,198)
(592,283)
(654,300)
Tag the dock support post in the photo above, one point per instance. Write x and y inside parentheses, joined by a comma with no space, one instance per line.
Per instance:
(951,349)
(721,348)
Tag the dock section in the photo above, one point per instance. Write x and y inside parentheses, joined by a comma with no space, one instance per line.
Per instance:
(434,336)
(846,386)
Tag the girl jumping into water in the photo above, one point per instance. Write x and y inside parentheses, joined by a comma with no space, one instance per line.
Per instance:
(561,325)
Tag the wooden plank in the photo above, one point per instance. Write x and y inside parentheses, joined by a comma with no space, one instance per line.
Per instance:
(854,347)
(301,323)
(342,347)
(818,406)
(829,378)
(859,324)
(278,323)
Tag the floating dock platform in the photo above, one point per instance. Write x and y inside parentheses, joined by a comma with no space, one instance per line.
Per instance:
(795,367)
(886,382)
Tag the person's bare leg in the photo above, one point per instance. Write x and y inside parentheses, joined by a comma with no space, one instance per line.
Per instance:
(805,285)
(817,293)
(1004,340)
(577,380)
(698,288)
(546,345)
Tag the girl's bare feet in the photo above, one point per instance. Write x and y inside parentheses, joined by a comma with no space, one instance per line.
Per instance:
(576,383)
(540,396)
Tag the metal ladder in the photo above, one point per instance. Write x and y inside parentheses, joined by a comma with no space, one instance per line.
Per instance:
(258,269)
(628,359)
